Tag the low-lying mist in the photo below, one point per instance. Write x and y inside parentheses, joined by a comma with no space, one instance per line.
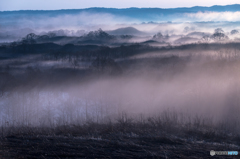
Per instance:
(188,86)
(194,25)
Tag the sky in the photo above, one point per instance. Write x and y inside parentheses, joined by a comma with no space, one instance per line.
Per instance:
(9,5)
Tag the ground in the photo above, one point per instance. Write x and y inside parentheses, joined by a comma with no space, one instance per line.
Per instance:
(117,143)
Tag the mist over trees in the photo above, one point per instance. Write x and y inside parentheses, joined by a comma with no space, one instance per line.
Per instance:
(128,84)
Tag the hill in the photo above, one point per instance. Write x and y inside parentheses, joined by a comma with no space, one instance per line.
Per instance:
(125,31)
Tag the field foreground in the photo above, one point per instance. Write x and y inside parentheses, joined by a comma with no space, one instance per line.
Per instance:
(120,140)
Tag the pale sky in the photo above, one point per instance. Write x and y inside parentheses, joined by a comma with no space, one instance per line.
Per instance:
(78,4)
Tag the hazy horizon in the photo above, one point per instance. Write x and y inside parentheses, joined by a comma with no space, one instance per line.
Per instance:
(13,5)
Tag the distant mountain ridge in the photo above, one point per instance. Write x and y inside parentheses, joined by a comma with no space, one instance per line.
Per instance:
(87,18)
(139,13)
(233,7)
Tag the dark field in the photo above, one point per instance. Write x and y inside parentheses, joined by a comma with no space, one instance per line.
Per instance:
(119,140)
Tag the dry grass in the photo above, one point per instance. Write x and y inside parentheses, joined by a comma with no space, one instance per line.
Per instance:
(163,136)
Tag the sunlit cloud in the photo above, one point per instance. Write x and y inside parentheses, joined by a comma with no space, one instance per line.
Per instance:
(213,16)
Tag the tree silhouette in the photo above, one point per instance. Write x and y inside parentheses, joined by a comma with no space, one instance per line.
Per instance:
(219,35)
(106,65)
(233,32)
(158,36)
(29,39)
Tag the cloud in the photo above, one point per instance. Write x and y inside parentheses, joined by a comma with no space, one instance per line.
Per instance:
(212,16)
(84,20)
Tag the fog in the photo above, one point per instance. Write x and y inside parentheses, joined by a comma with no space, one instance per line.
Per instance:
(203,84)
(16,25)
(93,67)
(214,16)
